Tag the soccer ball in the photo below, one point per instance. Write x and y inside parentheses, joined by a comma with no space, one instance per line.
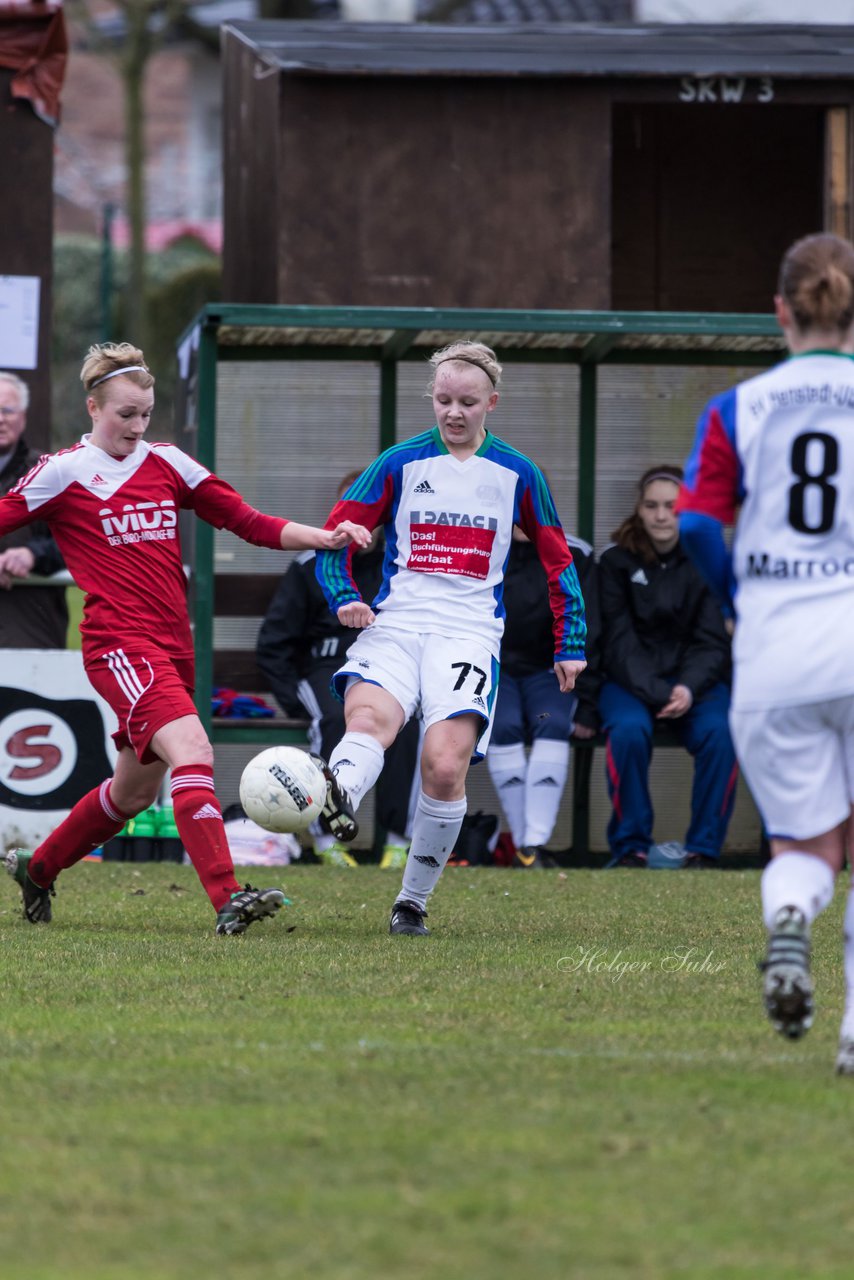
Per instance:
(282,789)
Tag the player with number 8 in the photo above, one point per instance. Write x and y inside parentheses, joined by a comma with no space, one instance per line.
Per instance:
(775,456)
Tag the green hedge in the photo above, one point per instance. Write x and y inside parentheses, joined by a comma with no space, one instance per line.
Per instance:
(181,279)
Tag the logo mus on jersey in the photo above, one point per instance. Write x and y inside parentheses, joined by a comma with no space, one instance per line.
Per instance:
(140,522)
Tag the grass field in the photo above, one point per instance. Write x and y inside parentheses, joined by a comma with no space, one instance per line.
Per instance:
(504,1099)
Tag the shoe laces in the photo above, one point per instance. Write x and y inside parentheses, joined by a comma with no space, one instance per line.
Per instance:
(405,907)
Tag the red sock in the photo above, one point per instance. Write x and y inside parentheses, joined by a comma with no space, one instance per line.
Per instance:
(198,818)
(93,820)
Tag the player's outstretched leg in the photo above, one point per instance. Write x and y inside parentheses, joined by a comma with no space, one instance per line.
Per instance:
(338,816)
(37,908)
(247,906)
(787,986)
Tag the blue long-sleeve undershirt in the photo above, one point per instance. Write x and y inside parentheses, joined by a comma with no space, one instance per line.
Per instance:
(702,537)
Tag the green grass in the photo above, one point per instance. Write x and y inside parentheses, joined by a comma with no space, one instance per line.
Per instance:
(330,1102)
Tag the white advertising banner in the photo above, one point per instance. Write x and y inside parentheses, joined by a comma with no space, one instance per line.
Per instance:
(55,742)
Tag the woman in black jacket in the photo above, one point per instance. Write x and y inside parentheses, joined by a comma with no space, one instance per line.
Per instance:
(666,656)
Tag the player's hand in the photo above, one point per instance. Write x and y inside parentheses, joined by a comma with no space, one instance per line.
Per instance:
(356,614)
(567,673)
(17,562)
(582,732)
(346,532)
(681,700)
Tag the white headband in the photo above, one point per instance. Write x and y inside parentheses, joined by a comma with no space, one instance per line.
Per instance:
(128,368)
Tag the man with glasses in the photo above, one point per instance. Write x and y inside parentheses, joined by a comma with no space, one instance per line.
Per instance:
(30,617)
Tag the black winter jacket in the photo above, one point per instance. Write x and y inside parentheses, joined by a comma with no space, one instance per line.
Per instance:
(31,617)
(299,630)
(661,626)
(527,645)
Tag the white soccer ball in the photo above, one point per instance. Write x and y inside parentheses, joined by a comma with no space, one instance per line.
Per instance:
(282,789)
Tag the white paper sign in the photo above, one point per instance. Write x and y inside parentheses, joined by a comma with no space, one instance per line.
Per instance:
(19,321)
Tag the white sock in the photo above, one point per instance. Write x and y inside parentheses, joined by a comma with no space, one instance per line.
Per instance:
(357,762)
(848,958)
(508,768)
(396,840)
(799,880)
(548,765)
(434,834)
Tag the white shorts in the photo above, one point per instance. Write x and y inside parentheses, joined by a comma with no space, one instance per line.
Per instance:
(799,764)
(443,678)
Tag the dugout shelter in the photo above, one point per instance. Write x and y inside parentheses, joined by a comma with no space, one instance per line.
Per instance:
(283,401)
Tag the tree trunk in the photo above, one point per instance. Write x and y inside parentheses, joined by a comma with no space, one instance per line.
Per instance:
(134,60)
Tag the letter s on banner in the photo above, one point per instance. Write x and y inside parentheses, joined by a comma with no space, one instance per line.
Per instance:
(52,751)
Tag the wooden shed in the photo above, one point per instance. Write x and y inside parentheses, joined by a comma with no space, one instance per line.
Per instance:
(529,166)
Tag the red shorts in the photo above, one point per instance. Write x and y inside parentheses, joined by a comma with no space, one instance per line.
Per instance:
(147,689)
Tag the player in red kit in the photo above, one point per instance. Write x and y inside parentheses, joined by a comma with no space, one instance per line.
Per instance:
(112,503)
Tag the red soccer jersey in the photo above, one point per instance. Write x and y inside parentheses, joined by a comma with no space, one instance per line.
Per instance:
(116,523)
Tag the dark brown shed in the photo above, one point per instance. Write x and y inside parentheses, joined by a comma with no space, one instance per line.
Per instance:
(531,165)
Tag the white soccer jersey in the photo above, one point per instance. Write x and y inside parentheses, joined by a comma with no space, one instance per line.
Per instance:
(115,521)
(782,446)
(448,525)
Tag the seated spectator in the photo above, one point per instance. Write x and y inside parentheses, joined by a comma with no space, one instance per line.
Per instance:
(528,755)
(665,657)
(300,646)
(30,617)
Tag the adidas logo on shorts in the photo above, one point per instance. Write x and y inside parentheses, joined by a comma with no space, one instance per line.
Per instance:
(206,811)
(423,487)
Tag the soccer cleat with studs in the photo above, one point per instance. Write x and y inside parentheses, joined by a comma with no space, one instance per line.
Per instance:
(37,908)
(337,816)
(787,988)
(406,917)
(247,906)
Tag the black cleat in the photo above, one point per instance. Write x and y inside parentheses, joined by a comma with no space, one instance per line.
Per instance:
(37,908)
(787,986)
(407,918)
(247,906)
(337,817)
